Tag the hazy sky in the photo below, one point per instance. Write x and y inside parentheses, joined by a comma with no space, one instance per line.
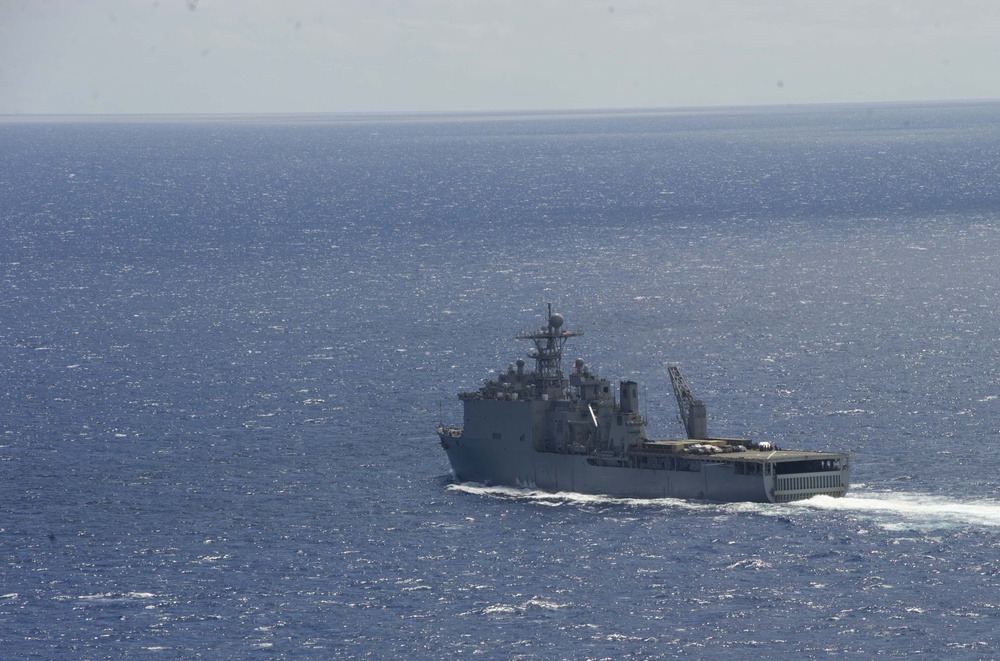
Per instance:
(279,56)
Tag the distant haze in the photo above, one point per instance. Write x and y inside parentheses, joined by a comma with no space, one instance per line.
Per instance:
(319,56)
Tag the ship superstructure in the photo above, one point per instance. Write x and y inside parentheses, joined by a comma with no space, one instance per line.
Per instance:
(538,428)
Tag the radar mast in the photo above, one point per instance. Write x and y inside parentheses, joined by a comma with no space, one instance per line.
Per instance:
(549,341)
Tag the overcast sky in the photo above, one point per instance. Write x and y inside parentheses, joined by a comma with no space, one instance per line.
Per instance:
(286,56)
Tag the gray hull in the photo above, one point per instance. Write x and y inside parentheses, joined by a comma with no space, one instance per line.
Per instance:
(703,478)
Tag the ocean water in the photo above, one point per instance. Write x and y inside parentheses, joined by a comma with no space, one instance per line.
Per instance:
(225,344)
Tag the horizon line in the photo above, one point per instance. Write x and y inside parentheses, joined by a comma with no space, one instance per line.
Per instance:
(416,115)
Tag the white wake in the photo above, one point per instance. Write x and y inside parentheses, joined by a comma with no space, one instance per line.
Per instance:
(905,510)
(888,510)
(560,498)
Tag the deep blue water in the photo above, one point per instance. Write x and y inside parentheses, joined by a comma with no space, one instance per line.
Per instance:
(224,346)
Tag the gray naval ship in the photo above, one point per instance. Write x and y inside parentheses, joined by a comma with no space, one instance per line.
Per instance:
(538,429)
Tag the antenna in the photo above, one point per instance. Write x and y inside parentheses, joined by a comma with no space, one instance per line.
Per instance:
(549,342)
(645,404)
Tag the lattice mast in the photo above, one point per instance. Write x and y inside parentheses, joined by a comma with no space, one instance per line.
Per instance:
(549,342)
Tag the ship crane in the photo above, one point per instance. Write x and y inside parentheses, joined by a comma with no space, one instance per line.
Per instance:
(692,410)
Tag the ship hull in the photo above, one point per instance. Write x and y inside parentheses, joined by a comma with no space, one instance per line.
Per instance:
(710,479)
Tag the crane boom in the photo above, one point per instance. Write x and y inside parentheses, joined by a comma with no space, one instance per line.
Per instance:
(692,410)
